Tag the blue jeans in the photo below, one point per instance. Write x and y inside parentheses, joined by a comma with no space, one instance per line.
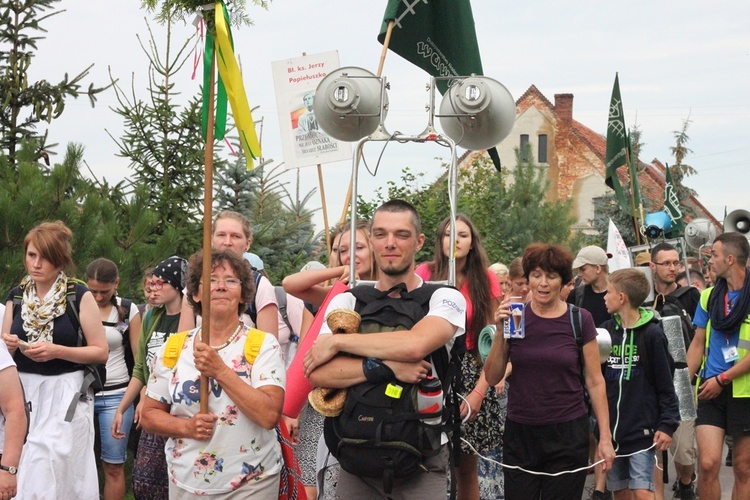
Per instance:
(114,451)
(634,473)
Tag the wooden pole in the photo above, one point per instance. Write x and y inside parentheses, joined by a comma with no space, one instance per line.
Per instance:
(207,220)
(325,212)
(386,43)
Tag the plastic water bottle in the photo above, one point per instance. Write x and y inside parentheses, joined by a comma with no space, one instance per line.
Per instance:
(430,399)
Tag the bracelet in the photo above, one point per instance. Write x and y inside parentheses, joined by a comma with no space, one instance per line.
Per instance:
(376,371)
(723,379)
(478,392)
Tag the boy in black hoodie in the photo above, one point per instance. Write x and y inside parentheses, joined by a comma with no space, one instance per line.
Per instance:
(643,407)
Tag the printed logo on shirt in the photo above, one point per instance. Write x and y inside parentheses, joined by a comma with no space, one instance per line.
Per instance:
(453,306)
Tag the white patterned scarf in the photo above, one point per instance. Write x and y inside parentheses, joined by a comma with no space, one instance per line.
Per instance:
(39,314)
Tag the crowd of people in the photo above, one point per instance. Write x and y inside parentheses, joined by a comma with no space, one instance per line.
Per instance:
(583,383)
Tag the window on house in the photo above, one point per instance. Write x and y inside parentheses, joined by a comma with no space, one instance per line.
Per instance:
(542,153)
(524,147)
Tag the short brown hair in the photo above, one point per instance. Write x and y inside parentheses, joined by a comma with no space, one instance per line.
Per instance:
(52,240)
(515,268)
(549,258)
(736,244)
(633,283)
(240,267)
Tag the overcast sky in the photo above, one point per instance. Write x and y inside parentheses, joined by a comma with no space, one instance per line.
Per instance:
(676,59)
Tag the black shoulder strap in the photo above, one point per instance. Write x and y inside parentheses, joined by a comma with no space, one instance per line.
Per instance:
(680,291)
(576,323)
(71,308)
(252,310)
(580,289)
(125,305)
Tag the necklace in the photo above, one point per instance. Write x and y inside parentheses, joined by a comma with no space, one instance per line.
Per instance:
(231,339)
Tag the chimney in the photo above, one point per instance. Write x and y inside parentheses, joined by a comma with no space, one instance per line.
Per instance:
(564,107)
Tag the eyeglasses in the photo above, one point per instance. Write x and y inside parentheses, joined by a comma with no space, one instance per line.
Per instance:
(232,283)
(156,285)
(675,263)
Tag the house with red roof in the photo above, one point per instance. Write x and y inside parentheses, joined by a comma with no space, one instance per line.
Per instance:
(574,157)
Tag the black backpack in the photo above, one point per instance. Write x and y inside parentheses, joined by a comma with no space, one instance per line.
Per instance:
(670,305)
(380,433)
(95,375)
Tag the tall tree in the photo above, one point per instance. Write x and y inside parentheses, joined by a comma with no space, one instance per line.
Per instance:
(163,142)
(680,170)
(27,104)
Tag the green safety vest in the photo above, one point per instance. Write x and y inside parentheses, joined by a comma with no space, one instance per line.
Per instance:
(740,385)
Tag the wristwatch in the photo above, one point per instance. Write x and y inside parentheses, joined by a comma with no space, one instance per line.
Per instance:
(11,470)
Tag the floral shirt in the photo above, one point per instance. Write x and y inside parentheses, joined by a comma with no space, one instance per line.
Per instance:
(240,451)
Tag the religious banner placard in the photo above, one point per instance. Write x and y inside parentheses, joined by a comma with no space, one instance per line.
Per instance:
(303,141)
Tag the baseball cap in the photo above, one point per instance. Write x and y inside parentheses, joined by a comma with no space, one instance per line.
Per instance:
(254,260)
(593,255)
(642,259)
(313,264)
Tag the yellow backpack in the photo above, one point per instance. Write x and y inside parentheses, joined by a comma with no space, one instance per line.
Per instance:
(176,342)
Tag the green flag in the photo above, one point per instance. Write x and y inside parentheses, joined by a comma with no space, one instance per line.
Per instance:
(439,37)
(617,145)
(672,205)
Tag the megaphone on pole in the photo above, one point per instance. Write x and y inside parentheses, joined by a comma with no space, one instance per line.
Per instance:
(738,221)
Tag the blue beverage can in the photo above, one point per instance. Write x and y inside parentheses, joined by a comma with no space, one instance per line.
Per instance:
(514,325)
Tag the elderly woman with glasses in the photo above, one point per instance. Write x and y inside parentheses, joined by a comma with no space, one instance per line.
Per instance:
(232,450)
(150,466)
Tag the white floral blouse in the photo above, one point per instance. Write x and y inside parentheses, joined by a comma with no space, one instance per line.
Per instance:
(240,451)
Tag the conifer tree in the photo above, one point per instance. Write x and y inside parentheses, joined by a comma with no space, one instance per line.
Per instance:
(27,104)
(163,142)
(30,194)
(283,233)
(681,170)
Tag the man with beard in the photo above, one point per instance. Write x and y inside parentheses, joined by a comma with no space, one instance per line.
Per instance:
(720,349)
(391,354)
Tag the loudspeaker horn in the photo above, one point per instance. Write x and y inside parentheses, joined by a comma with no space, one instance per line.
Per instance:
(656,224)
(738,221)
(477,112)
(348,103)
(700,232)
